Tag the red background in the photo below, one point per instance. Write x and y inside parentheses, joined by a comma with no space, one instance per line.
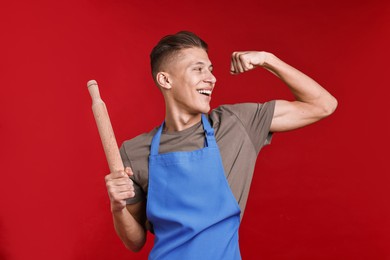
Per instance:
(321,192)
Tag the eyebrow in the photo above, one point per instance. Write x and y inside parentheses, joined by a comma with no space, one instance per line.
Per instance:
(202,63)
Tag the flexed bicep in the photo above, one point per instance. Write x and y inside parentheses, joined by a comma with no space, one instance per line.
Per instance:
(290,115)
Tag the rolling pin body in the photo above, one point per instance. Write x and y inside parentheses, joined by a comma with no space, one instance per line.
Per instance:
(105,128)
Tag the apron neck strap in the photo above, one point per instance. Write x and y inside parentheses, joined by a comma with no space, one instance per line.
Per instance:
(209,134)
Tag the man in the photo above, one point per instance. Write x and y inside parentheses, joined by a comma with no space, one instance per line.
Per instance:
(194,171)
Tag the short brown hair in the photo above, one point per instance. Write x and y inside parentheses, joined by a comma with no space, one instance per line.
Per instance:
(171,44)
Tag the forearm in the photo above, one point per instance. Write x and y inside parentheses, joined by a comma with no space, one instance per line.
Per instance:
(304,88)
(132,234)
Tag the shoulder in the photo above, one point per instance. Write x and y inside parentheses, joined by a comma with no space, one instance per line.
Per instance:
(241,110)
(234,109)
(252,119)
(138,146)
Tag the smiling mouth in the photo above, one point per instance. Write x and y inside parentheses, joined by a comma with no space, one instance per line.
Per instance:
(205,92)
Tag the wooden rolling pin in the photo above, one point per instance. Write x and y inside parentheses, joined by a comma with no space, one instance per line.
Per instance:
(105,129)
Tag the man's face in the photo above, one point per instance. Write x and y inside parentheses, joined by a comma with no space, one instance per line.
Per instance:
(192,81)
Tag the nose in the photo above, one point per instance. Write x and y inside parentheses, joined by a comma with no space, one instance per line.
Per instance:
(211,78)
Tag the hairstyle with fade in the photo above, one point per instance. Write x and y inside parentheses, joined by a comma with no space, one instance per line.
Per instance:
(170,45)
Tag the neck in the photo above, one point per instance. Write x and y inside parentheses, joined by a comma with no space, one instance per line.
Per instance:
(179,116)
(180,122)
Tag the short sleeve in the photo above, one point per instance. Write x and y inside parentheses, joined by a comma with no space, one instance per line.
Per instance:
(139,194)
(256,119)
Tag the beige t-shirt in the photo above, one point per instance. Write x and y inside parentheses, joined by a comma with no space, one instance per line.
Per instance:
(241,130)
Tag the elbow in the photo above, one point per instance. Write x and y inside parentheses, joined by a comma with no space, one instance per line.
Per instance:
(329,107)
(134,248)
(333,105)
(134,245)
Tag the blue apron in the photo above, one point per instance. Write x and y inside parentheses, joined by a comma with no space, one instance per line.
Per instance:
(190,204)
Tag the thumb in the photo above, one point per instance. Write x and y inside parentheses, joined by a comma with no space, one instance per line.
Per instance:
(232,70)
(248,65)
(129,171)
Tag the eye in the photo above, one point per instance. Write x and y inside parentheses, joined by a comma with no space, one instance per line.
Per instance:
(200,69)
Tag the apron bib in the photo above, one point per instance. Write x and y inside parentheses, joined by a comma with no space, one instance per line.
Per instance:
(190,204)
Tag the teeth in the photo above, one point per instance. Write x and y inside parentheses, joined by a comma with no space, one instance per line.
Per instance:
(204,91)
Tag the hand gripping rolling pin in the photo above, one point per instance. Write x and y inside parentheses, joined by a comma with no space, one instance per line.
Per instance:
(105,129)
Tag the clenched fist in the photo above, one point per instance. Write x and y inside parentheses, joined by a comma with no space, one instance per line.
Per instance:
(247,60)
(119,188)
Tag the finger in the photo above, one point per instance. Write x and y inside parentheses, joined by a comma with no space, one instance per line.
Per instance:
(120,182)
(122,188)
(232,68)
(234,63)
(129,171)
(121,192)
(235,66)
(125,195)
(238,62)
(112,180)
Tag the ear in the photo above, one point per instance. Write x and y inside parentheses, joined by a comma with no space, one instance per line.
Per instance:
(163,80)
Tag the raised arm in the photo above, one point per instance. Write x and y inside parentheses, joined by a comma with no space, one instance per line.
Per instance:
(312,102)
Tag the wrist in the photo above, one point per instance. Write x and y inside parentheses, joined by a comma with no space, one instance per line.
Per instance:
(269,60)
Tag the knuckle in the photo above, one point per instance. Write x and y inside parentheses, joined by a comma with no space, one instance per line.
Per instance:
(118,203)
(115,198)
(110,191)
(119,174)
